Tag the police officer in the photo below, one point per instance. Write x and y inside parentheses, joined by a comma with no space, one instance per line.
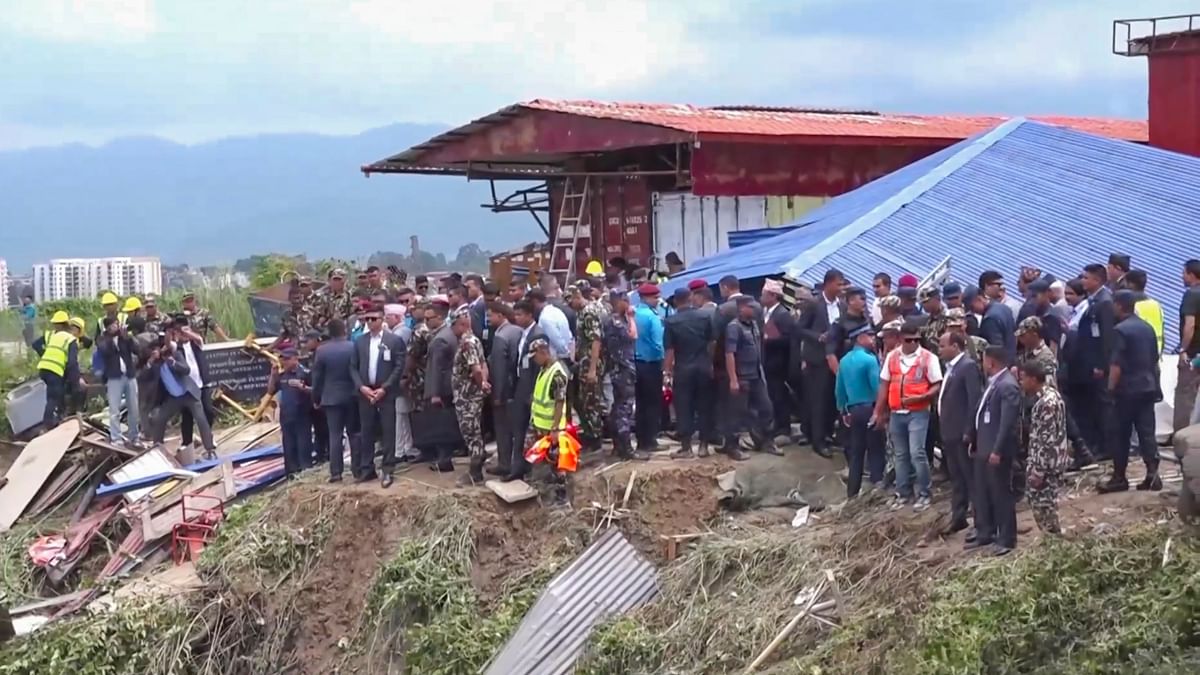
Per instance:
(58,366)
(293,382)
(308,351)
(686,336)
(1133,384)
(620,336)
(747,382)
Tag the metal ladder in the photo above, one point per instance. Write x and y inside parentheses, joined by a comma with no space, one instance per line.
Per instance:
(571,228)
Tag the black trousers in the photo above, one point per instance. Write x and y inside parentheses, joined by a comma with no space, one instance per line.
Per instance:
(694,397)
(378,423)
(781,399)
(502,429)
(56,398)
(1134,413)
(187,421)
(796,385)
(297,443)
(189,406)
(818,396)
(958,465)
(865,447)
(753,405)
(995,502)
(320,438)
(340,419)
(1090,404)
(648,399)
(518,412)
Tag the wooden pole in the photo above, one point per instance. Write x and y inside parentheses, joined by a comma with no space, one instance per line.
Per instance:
(812,606)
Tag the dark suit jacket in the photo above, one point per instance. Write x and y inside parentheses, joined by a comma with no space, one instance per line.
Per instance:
(777,340)
(113,351)
(387,370)
(724,314)
(999,328)
(813,323)
(961,389)
(996,425)
(527,370)
(439,362)
(502,362)
(1094,343)
(201,362)
(332,383)
(478,312)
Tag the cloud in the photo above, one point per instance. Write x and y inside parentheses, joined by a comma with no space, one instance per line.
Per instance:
(81,20)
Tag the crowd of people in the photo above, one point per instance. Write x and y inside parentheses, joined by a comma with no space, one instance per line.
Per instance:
(1013,388)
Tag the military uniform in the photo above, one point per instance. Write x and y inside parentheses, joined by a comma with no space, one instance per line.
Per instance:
(298,320)
(418,350)
(619,348)
(931,331)
(468,394)
(201,322)
(590,328)
(1048,457)
(330,305)
(1045,358)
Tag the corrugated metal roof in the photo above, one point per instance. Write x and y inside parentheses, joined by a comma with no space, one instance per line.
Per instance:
(610,578)
(740,238)
(1023,194)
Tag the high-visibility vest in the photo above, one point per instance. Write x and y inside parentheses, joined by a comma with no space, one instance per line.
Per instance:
(1151,312)
(54,356)
(542,408)
(122,317)
(913,383)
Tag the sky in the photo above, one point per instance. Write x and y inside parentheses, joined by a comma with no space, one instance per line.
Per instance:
(191,71)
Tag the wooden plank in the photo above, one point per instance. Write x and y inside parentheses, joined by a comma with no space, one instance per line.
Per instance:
(97,441)
(35,464)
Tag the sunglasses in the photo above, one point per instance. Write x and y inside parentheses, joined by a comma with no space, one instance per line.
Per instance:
(912,339)
(374,318)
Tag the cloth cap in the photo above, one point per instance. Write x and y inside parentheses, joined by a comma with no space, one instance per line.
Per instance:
(892,326)
(1030,324)
(648,289)
(697,284)
(337,273)
(956,317)
(908,281)
(289,353)
(773,286)
(312,335)
(889,302)
(539,344)
(906,293)
(969,294)
(1120,260)
(952,289)
(864,329)
(397,309)
(681,295)
(929,293)
(616,294)
(1039,286)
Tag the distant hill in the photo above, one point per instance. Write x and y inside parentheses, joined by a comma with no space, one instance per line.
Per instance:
(219,201)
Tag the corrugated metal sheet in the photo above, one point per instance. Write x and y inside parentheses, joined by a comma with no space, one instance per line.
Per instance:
(610,578)
(747,237)
(1027,194)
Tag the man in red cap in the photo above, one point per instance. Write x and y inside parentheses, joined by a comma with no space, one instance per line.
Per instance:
(908,281)
(648,362)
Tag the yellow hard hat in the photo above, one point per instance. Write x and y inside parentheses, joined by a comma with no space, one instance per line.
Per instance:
(78,323)
(594,269)
(59,317)
(132,304)
(109,298)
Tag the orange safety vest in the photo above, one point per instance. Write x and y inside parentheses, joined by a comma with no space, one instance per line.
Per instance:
(913,383)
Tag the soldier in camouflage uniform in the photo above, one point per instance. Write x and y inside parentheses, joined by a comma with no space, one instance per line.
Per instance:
(199,320)
(889,310)
(543,358)
(1035,350)
(469,380)
(935,318)
(590,365)
(956,322)
(1047,446)
(334,300)
(154,320)
(418,351)
(620,334)
(298,318)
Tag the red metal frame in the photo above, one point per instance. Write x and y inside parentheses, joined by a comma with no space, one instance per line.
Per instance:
(189,537)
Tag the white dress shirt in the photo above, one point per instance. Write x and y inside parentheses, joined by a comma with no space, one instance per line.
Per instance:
(374,348)
(832,309)
(949,369)
(522,360)
(984,399)
(193,366)
(558,331)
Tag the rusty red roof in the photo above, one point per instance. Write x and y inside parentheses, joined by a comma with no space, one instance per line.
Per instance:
(745,120)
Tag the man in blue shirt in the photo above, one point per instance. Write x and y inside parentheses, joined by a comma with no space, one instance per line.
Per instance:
(28,317)
(856,388)
(648,356)
(294,385)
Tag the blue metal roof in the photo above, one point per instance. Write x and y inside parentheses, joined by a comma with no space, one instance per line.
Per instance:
(740,238)
(1024,193)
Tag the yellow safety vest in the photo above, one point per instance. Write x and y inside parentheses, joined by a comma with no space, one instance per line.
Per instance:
(542,408)
(1151,312)
(54,355)
(122,317)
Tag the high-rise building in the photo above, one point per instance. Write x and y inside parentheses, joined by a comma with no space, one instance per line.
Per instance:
(3,283)
(89,277)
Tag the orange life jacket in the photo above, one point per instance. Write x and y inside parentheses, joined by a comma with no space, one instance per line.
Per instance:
(911,384)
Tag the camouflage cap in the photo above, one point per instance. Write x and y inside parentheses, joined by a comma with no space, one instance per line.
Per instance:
(956,317)
(889,302)
(539,344)
(1030,324)
(892,326)
(928,293)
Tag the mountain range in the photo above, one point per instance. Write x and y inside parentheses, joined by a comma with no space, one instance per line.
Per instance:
(215,202)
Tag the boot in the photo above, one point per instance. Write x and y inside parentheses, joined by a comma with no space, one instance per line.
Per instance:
(703,451)
(732,451)
(684,451)
(625,450)
(1115,484)
(474,475)
(1151,482)
(770,448)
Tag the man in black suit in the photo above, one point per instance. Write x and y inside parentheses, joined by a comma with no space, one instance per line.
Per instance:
(191,350)
(819,366)
(777,340)
(502,371)
(525,378)
(996,433)
(958,401)
(375,366)
(687,337)
(1133,383)
(1089,364)
(334,393)
(439,393)
(998,324)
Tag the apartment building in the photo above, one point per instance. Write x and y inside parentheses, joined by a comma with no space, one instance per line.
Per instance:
(4,281)
(89,277)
